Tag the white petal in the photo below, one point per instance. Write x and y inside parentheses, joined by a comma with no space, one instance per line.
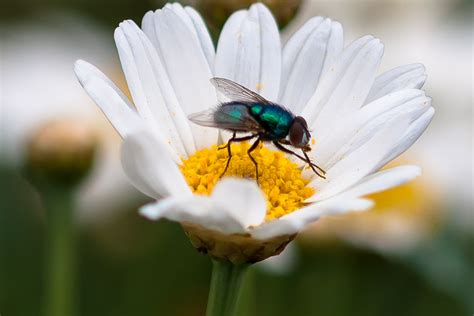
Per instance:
(412,133)
(132,74)
(148,27)
(352,132)
(361,162)
(150,167)
(188,69)
(161,104)
(345,85)
(228,48)
(203,36)
(148,21)
(108,97)
(243,199)
(249,51)
(178,9)
(196,25)
(400,78)
(234,205)
(198,210)
(412,110)
(162,99)
(383,180)
(294,222)
(306,57)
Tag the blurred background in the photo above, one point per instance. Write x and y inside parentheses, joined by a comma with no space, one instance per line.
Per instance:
(413,254)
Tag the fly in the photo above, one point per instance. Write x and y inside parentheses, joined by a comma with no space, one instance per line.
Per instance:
(249,112)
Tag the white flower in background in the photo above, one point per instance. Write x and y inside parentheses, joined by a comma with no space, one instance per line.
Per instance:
(359,122)
(39,88)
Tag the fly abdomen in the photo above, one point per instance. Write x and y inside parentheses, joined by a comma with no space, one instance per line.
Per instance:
(235,116)
(230,112)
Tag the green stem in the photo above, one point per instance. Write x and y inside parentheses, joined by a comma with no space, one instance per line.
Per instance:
(226,283)
(247,301)
(60,253)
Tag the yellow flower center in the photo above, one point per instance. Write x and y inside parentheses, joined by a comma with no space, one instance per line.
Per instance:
(279,178)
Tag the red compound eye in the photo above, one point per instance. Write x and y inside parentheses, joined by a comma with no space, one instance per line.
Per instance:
(299,134)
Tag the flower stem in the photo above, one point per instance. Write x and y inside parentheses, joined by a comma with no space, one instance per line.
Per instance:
(226,283)
(60,253)
(247,301)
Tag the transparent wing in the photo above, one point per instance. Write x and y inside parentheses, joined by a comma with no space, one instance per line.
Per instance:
(224,119)
(204,118)
(237,92)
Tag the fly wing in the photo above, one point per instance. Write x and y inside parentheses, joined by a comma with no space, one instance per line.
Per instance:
(204,118)
(232,117)
(237,92)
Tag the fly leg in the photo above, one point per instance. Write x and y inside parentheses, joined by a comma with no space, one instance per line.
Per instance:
(306,159)
(234,138)
(312,165)
(249,151)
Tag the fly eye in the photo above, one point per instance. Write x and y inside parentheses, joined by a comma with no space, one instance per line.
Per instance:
(299,135)
(306,137)
(303,121)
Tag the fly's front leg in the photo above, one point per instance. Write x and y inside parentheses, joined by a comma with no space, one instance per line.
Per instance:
(279,145)
(228,146)
(249,151)
(312,165)
(305,159)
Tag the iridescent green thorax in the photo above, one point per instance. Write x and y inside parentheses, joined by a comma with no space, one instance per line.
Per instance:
(275,119)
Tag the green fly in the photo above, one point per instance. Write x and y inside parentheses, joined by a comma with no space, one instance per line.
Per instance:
(250,113)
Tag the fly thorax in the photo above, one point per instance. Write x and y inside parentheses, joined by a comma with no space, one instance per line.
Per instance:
(256,109)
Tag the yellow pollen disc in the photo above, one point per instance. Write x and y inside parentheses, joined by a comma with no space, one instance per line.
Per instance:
(279,178)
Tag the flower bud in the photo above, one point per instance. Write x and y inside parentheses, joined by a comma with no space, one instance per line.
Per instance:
(61,151)
(216,12)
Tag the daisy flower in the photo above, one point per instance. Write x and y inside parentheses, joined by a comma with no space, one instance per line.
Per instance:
(359,122)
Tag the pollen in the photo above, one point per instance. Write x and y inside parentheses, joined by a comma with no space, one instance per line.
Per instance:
(280,179)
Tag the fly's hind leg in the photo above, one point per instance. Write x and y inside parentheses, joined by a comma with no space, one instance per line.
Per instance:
(249,151)
(234,138)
